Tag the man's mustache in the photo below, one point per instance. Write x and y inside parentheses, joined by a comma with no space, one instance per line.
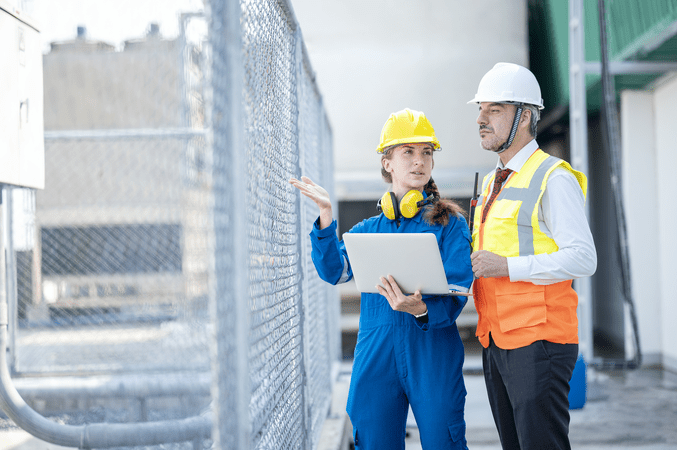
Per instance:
(484,127)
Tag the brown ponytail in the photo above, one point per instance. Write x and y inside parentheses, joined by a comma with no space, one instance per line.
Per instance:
(441,209)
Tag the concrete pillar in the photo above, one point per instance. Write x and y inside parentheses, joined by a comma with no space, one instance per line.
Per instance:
(665,110)
(641,207)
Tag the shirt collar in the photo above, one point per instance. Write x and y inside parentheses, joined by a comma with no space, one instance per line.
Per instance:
(520,158)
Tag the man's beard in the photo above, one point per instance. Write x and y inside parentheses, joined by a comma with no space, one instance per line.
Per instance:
(496,148)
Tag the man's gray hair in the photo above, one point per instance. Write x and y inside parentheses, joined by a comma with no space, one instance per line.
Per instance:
(535,117)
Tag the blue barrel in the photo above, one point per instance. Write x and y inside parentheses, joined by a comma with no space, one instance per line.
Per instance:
(578,385)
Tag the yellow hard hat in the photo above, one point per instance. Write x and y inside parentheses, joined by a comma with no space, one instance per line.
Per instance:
(407,127)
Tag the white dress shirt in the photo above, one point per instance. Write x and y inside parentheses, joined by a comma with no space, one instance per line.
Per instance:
(561,216)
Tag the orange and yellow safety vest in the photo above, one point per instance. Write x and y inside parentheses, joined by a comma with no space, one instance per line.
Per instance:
(519,313)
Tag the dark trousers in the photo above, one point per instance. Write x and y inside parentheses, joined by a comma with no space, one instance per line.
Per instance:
(528,390)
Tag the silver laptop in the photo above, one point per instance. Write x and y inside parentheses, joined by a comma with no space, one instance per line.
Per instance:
(413,259)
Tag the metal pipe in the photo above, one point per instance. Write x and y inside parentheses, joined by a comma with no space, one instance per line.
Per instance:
(166,133)
(102,435)
(138,386)
(612,144)
(9,266)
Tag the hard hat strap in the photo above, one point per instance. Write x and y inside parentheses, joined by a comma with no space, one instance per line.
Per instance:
(513,131)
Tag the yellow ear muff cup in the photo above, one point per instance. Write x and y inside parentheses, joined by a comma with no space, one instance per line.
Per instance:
(408,204)
(389,205)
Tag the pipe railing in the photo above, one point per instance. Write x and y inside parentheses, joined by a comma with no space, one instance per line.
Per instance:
(99,435)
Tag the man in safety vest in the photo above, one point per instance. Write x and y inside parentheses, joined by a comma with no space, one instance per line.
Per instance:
(530,239)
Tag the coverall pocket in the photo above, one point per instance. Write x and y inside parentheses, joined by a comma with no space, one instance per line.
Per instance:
(457,435)
(520,305)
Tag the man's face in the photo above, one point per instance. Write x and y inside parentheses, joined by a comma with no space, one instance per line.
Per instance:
(495,121)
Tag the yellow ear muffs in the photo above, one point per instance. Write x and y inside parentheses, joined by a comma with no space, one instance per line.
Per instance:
(389,206)
(409,204)
(408,207)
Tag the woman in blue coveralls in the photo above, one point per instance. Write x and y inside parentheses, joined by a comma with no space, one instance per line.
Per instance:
(408,348)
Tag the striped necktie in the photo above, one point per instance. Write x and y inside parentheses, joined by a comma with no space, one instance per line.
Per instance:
(499,179)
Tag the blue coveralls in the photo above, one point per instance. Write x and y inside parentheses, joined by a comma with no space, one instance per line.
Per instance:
(398,359)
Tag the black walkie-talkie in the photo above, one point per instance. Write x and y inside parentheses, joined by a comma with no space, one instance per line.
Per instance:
(473,203)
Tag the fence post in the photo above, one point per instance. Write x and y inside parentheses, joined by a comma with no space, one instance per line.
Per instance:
(229,265)
(10,285)
(303,291)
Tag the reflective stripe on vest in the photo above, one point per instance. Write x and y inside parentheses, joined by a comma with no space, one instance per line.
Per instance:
(530,239)
(529,197)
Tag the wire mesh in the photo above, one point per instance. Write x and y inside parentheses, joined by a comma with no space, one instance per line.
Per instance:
(271,112)
(125,262)
(318,328)
(120,206)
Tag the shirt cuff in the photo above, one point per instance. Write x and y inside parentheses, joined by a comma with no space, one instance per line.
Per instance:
(518,268)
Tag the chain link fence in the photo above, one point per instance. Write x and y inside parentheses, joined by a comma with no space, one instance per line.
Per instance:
(168,249)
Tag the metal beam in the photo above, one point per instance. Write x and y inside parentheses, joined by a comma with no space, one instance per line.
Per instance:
(631,67)
(578,120)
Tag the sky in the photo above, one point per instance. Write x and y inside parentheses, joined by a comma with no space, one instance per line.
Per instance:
(111,21)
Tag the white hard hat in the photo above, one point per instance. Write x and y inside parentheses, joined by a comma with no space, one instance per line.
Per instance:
(507,82)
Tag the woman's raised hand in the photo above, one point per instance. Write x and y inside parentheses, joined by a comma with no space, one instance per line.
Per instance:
(313,191)
(319,195)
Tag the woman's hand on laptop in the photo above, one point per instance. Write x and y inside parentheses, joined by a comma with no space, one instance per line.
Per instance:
(412,304)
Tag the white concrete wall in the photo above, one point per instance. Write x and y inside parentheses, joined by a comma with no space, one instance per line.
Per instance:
(641,206)
(372,58)
(665,101)
(649,146)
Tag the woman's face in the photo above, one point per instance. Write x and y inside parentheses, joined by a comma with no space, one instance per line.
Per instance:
(410,166)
